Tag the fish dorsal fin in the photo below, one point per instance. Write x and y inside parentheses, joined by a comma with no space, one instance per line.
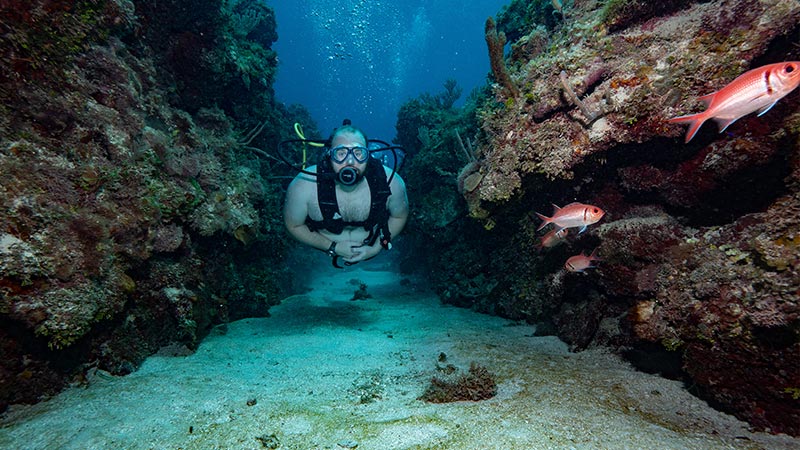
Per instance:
(555,208)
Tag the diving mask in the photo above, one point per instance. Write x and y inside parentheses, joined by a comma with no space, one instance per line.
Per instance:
(340,153)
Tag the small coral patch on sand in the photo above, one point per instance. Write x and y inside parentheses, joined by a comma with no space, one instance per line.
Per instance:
(476,385)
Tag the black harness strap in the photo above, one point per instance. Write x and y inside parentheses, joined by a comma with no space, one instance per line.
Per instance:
(377,222)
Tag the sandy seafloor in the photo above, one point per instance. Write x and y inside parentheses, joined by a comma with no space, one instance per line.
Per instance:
(325,372)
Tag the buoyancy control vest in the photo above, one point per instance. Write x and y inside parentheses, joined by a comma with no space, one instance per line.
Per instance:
(377,222)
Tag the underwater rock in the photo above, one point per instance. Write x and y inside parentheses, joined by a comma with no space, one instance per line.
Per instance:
(732,317)
(112,191)
(639,79)
(167,238)
(700,241)
(269,441)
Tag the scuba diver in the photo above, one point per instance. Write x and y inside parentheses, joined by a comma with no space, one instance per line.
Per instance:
(349,205)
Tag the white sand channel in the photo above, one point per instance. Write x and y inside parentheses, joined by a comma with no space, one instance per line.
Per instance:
(325,372)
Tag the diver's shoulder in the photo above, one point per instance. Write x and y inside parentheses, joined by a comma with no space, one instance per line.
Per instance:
(306,178)
(389,172)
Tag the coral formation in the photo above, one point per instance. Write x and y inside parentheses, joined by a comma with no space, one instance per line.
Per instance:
(589,114)
(496,42)
(137,215)
(438,142)
(620,14)
(132,212)
(699,243)
(475,385)
(361,293)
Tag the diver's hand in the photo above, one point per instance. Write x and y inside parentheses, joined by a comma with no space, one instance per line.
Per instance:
(348,249)
(364,252)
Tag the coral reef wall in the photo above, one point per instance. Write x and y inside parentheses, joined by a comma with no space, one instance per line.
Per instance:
(700,244)
(134,214)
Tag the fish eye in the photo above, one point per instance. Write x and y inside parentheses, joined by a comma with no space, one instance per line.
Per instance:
(790,68)
(596,211)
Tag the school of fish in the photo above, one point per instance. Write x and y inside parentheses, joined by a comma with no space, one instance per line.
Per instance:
(574,215)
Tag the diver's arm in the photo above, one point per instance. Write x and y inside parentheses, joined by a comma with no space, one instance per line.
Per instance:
(295,212)
(398,215)
(397,206)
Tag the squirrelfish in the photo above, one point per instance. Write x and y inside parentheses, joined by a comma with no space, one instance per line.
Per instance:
(572,216)
(756,90)
(553,238)
(579,263)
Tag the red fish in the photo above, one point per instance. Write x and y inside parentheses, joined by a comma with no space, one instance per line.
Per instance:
(579,263)
(572,216)
(553,238)
(756,90)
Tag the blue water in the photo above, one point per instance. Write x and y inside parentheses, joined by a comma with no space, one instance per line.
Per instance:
(361,59)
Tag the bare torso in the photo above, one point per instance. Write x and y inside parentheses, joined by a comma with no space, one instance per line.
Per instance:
(354,205)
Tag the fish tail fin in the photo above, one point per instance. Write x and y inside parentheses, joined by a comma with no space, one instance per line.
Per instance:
(545,221)
(593,256)
(696,120)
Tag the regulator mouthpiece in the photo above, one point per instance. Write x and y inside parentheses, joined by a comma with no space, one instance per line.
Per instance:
(348,176)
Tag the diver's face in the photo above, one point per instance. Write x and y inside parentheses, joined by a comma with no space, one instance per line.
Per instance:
(349,140)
